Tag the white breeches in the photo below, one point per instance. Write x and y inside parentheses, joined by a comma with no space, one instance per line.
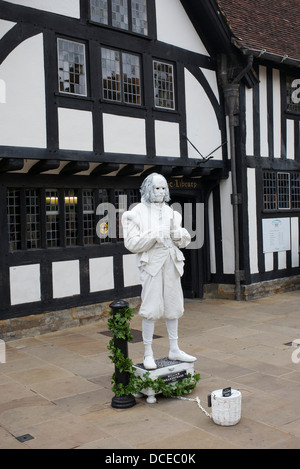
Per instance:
(162,294)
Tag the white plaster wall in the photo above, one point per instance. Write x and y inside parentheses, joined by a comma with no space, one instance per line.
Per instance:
(75,129)
(252,220)
(211,77)
(66,278)
(277,113)
(269,261)
(174,27)
(295,241)
(249,122)
(202,125)
(23,117)
(61,7)
(290,139)
(5,26)
(101,272)
(130,270)
(167,139)
(263,111)
(213,267)
(124,134)
(25,284)
(227,226)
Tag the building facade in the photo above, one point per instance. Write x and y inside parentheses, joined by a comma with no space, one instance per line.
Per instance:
(95,95)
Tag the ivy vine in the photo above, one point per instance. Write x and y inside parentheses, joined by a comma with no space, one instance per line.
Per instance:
(119,325)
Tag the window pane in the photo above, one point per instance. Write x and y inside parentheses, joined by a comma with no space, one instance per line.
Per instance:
(119,14)
(270,190)
(99,11)
(163,85)
(283,180)
(14,219)
(111,75)
(295,190)
(52,218)
(139,16)
(71,67)
(131,79)
(88,217)
(33,219)
(71,227)
(119,202)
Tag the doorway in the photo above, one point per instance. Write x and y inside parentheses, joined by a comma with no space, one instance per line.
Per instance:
(192,279)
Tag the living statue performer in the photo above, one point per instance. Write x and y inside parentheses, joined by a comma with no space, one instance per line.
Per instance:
(152,230)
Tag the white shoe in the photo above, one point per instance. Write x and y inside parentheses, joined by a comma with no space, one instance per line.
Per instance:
(149,363)
(181,356)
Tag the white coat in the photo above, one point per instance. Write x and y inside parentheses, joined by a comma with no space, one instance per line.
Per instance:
(147,232)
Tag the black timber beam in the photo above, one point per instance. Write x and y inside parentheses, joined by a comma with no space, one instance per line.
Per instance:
(44,165)
(75,167)
(105,168)
(11,164)
(131,170)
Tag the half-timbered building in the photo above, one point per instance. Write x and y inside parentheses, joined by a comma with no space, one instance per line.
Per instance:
(95,95)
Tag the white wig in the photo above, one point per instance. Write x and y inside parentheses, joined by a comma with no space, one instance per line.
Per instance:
(148,186)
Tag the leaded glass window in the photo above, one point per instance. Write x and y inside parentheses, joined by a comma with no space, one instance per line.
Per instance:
(295,190)
(71,67)
(121,80)
(163,78)
(99,11)
(139,16)
(270,190)
(283,182)
(111,75)
(128,15)
(71,218)
(14,219)
(33,219)
(52,218)
(119,14)
(88,216)
(281,190)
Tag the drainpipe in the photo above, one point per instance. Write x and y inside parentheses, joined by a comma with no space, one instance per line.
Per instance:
(232,94)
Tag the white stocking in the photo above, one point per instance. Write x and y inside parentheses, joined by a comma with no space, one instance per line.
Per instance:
(175,353)
(172,328)
(147,332)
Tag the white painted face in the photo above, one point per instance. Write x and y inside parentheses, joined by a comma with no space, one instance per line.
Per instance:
(159,188)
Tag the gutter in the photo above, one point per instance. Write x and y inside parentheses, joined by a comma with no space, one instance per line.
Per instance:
(265,54)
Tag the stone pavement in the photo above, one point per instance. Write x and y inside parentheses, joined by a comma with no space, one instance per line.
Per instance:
(56,387)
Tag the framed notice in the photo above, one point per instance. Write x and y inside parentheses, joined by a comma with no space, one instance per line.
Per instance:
(276,234)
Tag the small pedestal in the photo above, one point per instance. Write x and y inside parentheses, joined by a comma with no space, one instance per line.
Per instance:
(169,370)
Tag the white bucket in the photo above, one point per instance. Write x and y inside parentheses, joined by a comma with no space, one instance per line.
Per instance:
(226,411)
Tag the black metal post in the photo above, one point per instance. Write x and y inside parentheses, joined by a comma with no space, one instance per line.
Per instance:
(126,401)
